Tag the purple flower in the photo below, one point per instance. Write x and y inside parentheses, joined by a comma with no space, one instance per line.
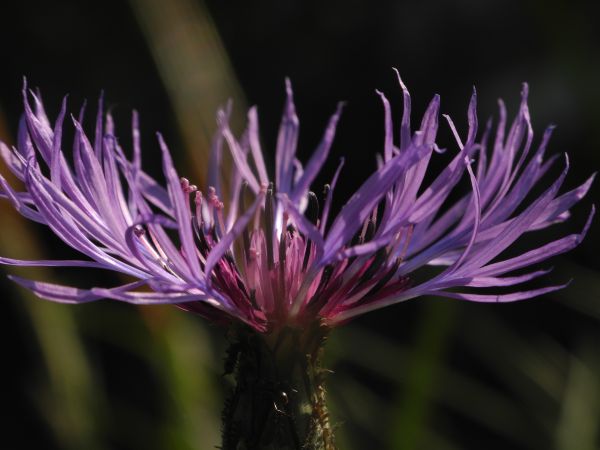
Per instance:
(272,254)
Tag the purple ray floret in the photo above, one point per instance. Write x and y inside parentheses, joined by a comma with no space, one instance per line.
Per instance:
(270,255)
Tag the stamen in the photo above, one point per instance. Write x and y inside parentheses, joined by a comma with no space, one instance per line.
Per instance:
(312,214)
(253,253)
(380,258)
(140,234)
(211,199)
(317,300)
(220,220)
(327,272)
(326,206)
(198,203)
(359,239)
(283,240)
(406,242)
(187,189)
(386,278)
(252,298)
(282,251)
(203,247)
(307,250)
(269,226)
(184,184)
(326,189)
(245,234)
(157,246)
(312,210)
(369,231)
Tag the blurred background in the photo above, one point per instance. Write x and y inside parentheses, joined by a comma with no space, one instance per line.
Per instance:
(428,374)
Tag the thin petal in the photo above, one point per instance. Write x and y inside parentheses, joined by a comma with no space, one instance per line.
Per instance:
(255,146)
(317,159)
(182,211)
(52,263)
(501,298)
(56,292)
(361,204)
(287,141)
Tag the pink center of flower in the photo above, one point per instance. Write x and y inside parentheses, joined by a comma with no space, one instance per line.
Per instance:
(270,273)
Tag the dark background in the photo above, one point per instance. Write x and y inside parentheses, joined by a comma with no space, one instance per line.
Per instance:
(429,374)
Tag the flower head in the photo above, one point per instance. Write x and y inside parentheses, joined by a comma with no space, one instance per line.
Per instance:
(265,249)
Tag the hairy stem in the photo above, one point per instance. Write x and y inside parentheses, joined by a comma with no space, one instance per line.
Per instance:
(278,401)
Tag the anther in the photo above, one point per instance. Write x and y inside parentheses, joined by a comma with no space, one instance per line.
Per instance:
(245,234)
(283,240)
(386,278)
(213,198)
(326,194)
(369,232)
(312,214)
(198,203)
(253,253)
(212,192)
(186,186)
(269,226)
(312,210)
(380,257)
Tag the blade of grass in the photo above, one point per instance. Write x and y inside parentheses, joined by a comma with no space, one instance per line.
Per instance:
(195,69)
(578,426)
(408,425)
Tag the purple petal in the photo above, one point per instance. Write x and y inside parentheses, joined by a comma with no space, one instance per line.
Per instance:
(361,204)
(18,202)
(287,141)
(329,199)
(182,211)
(317,159)
(486,282)
(240,160)
(476,219)
(501,298)
(405,139)
(517,227)
(216,150)
(55,292)
(539,254)
(52,263)
(388,142)
(304,225)
(255,146)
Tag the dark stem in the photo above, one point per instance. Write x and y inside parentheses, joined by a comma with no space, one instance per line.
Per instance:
(278,401)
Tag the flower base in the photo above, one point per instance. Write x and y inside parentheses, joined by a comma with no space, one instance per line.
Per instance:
(278,401)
